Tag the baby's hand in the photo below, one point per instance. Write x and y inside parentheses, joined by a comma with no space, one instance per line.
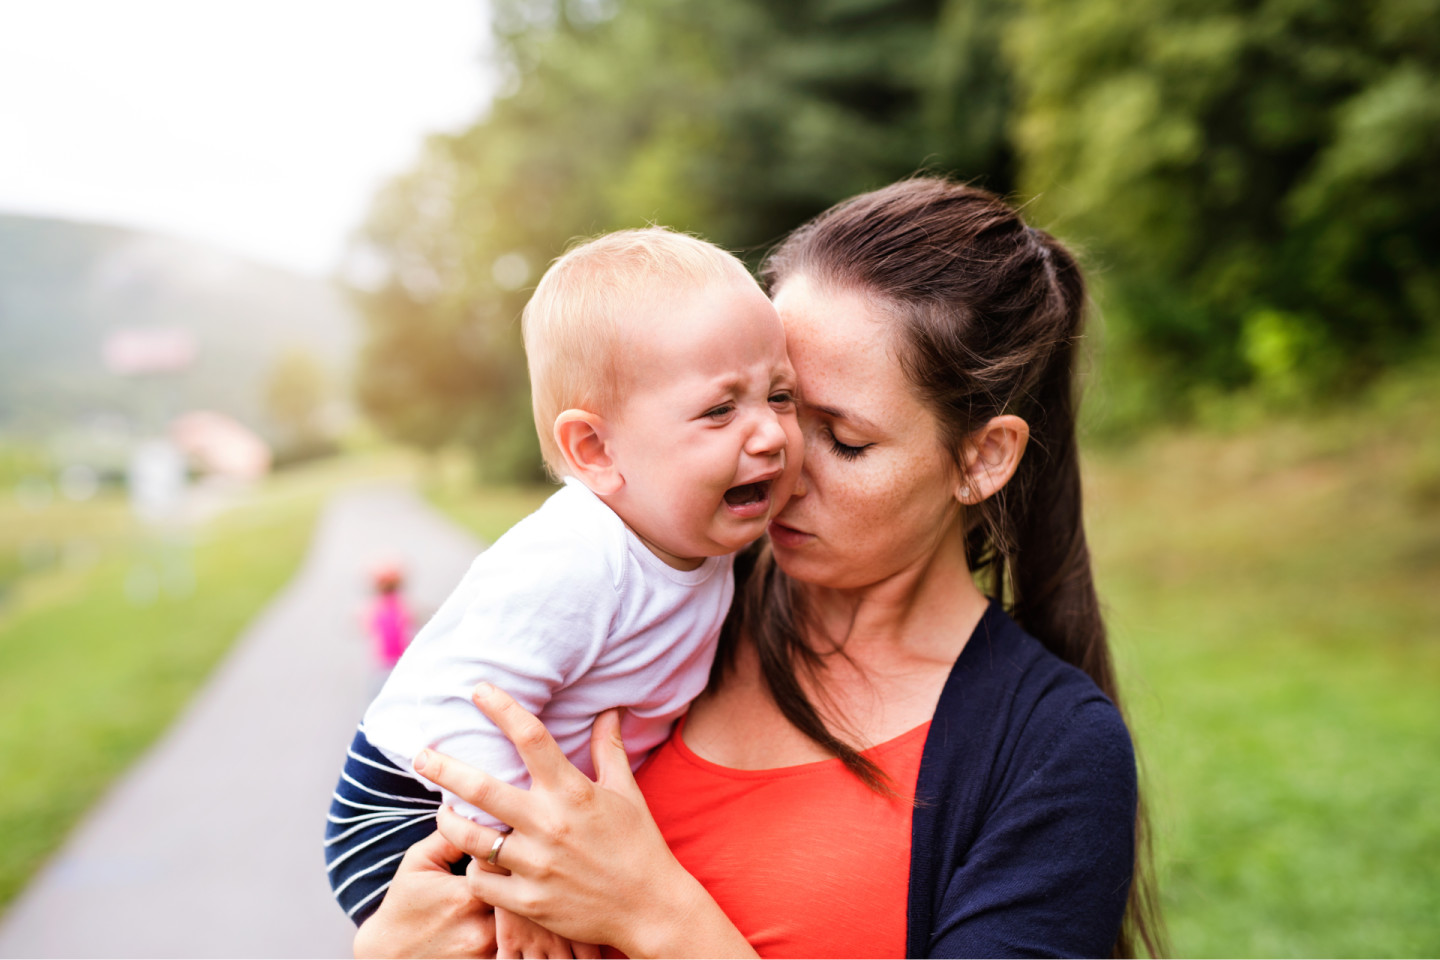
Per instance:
(517,937)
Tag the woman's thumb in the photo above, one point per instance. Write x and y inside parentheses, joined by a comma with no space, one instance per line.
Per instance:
(607,751)
(432,853)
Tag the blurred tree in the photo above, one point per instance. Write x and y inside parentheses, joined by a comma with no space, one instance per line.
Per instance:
(295,397)
(1258,176)
(1254,176)
(735,120)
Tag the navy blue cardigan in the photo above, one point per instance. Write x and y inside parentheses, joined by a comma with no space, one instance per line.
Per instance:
(1022,842)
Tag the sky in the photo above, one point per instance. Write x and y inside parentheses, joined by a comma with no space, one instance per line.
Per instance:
(261,126)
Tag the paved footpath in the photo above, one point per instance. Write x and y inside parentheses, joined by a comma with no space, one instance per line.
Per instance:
(211,845)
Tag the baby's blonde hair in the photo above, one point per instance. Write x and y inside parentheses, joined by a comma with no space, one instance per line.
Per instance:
(575,323)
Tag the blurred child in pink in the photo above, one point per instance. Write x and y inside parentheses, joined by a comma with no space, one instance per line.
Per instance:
(389,618)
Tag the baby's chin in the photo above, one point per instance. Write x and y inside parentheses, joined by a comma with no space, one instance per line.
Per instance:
(728,538)
(742,536)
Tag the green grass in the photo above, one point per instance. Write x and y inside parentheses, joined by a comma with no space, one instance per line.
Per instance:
(1274,596)
(97,657)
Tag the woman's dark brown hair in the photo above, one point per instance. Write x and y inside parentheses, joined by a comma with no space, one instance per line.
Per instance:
(989,318)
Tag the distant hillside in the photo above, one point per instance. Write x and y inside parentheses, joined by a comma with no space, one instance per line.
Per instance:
(64,287)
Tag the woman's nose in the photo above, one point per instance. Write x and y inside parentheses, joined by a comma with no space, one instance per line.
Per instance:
(802,483)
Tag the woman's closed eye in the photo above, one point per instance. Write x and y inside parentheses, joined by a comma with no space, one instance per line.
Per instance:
(846,451)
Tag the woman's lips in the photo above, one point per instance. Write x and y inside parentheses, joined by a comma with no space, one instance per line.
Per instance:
(783,536)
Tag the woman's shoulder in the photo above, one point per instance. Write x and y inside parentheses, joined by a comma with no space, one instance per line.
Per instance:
(1010,704)
(1001,663)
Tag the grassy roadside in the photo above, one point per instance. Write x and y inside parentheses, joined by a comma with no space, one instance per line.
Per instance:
(97,657)
(489,511)
(1272,592)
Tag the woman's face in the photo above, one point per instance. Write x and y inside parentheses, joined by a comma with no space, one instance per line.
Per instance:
(878,491)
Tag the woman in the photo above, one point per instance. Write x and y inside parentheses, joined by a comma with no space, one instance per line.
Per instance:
(886,762)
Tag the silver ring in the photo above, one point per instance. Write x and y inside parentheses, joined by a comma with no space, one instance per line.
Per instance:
(495,848)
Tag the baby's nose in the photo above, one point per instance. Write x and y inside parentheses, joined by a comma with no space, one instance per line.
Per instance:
(768,437)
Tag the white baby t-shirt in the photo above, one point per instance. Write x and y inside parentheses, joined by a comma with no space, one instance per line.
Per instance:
(571,615)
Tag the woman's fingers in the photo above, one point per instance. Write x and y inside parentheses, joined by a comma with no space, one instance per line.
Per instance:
(495,890)
(477,840)
(496,797)
(428,912)
(548,765)
(585,951)
(579,847)
(479,864)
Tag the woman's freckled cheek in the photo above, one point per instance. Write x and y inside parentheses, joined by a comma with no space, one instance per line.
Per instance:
(887,492)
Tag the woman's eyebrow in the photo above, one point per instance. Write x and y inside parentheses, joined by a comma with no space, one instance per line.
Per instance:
(839,413)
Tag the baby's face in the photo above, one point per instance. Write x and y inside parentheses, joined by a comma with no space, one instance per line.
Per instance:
(706,438)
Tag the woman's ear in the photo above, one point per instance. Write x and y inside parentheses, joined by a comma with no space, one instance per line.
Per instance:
(990,458)
(583,438)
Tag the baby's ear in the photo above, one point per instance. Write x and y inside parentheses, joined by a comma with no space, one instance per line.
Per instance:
(583,438)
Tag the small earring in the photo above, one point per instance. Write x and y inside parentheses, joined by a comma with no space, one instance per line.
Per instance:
(965,493)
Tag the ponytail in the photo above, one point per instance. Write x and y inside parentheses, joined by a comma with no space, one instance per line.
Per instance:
(1052,587)
(1038,519)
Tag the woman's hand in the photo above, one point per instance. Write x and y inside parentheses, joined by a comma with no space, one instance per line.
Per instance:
(586,859)
(428,911)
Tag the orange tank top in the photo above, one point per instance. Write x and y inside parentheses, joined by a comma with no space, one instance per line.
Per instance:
(806,861)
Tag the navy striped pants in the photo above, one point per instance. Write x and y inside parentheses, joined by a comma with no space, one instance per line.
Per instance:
(376,813)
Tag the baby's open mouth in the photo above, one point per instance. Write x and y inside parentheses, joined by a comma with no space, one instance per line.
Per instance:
(748,493)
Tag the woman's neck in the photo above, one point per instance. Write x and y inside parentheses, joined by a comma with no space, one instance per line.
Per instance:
(899,637)
(926,610)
